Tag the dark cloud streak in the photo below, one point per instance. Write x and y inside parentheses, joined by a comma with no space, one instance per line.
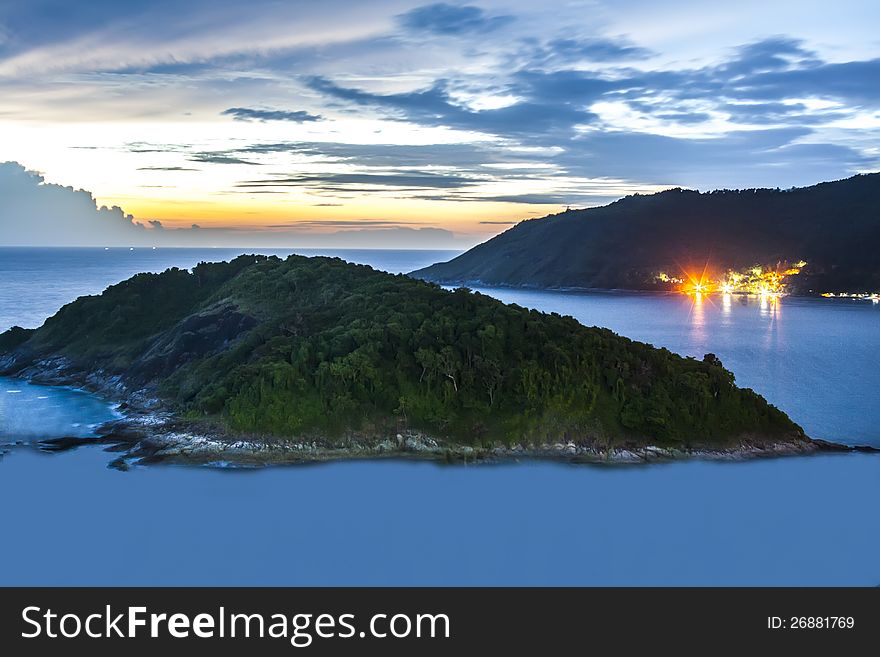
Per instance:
(167,169)
(402,179)
(250,114)
(451,20)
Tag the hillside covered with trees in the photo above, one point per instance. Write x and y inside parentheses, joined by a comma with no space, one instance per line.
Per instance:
(318,346)
(631,243)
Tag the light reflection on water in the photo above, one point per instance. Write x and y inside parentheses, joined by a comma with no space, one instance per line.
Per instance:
(698,319)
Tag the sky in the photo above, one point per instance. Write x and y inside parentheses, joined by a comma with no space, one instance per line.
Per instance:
(412,124)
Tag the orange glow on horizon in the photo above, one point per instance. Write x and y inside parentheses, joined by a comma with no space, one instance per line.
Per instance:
(282,212)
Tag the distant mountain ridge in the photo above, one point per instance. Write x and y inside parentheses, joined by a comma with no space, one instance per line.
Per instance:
(833,226)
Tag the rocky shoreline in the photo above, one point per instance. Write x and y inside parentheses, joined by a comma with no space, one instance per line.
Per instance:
(154,438)
(148,433)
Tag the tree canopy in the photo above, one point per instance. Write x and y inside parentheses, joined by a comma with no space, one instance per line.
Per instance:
(317,345)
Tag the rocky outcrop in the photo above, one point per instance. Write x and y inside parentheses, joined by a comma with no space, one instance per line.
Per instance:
(197,336)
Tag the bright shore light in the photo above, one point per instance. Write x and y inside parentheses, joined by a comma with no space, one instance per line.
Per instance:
(755,280)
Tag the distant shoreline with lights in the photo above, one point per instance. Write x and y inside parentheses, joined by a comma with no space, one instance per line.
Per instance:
(810,241)
(757,281)
(854,296)
(752,282)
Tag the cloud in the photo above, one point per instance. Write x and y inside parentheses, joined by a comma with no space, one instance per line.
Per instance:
(391,155)
(341,181)
(590,49)
(36,213)
(749,158)
(584,90)
(776,112)
(574,107)
(847,82)
(169,68)
(775,70)
(166,169)
(143,147)
(771,54)
(341,223)
(137,35)
(434,106)
(249,114)
(218,158)
(451,20)
(671,125)
(535,199)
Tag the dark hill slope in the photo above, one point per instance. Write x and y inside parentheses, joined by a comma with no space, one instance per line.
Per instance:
(833,226)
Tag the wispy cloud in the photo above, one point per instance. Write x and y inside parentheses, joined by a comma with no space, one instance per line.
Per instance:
(167,169)
(449,20)
(218,158)
(402,179)
(568,51)
(342,223)
(250,114)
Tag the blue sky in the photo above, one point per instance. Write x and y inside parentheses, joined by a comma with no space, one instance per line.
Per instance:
(448,118)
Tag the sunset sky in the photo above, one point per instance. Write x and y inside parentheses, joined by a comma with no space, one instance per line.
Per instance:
(316,118)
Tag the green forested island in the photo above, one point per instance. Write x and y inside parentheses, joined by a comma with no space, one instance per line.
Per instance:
(323,352)
(645,242)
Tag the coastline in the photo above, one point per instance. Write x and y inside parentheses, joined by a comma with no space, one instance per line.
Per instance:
(147,432)
(152,438)
(477,283)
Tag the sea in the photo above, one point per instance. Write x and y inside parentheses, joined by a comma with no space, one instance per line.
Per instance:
(69,519)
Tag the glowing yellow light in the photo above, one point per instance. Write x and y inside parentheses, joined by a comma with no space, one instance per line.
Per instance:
(754,280)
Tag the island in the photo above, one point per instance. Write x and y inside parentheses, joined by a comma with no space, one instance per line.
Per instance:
(265,360)
(819,240)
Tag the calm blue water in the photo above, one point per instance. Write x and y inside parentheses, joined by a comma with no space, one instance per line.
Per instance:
(67,519)
(29,413)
